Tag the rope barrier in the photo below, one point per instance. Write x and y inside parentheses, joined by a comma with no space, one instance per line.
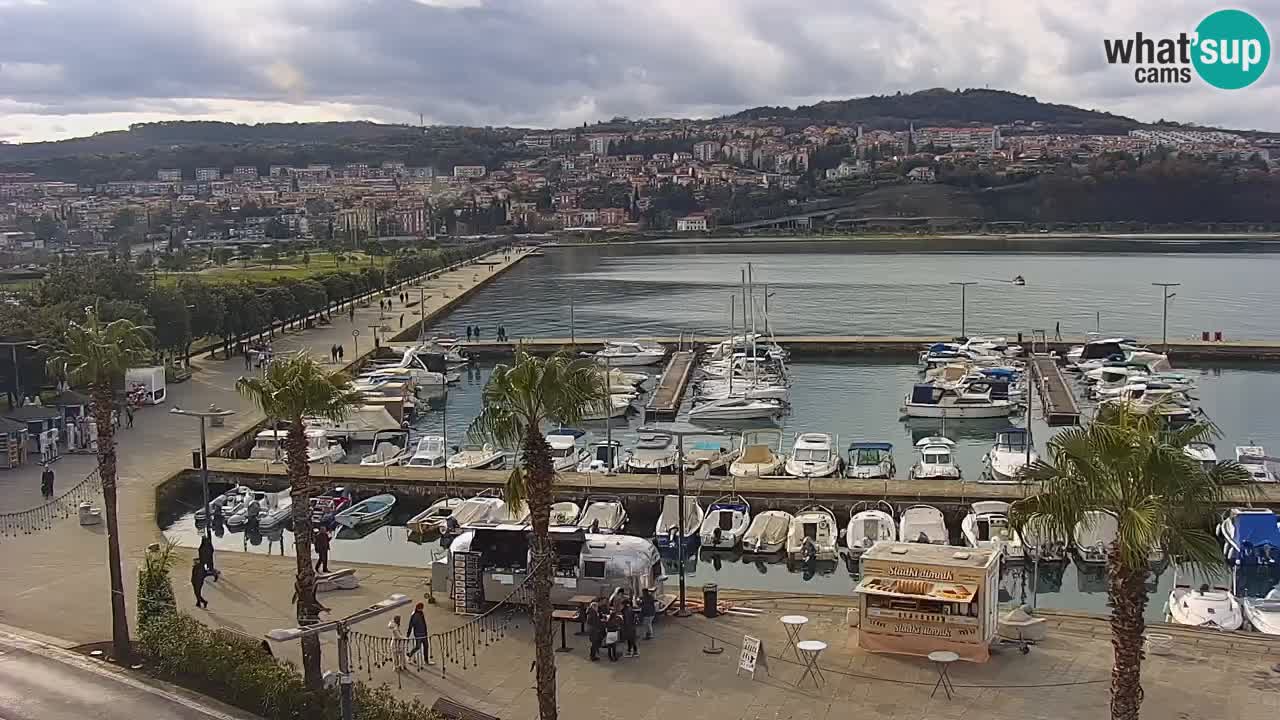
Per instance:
(26,522)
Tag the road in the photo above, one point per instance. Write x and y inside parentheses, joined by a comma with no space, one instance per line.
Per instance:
(42,682)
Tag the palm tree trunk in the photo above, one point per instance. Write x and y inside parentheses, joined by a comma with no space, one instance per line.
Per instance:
(1127,596)
(308,608)
(103,405)
(540,474)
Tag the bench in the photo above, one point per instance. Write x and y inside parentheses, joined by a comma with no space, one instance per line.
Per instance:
(564,616)
(446,708)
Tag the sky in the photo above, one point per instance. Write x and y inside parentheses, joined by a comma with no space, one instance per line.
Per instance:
(74,67)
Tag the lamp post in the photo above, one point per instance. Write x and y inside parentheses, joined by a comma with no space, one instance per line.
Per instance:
(212,412)
(963,286)
(342,628)
(1164,320)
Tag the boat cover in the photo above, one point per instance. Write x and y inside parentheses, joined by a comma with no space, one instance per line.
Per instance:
(607,512)
(757,455)
(669,518)
(478,510)
(1257,529)
(771,528)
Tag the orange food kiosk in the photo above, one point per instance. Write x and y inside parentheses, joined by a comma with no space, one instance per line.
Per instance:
(916,598)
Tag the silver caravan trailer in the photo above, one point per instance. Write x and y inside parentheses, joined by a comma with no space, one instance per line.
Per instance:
(586,563)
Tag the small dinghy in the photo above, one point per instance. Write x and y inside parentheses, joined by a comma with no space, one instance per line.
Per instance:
(923,524)
(433,519)
(1040,543)
(480,509)
(366,512)
(767,533)
(987,527)
(226,504)
(1263,614)
(267,509)
(667,530)
(1206,607)
(1093,535)
(603,514)
(812,535)
(565,514)
(868,526)
(727,521)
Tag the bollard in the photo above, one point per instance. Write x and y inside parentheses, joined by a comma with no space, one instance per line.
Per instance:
(710,597)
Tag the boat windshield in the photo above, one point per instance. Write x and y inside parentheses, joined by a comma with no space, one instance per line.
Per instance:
(868,456)
(937,457)
(563,452)
(812,455)
(1013,441)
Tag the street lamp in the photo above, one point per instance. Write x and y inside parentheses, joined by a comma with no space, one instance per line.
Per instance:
(963,287)
(1164,322)
(218,414)
(342,627)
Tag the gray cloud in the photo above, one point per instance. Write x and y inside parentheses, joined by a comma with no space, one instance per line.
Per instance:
(86,65)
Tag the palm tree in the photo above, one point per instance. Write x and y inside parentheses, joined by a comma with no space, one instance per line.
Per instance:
(1133,467)
(98,355)
(518,401)
(293,387)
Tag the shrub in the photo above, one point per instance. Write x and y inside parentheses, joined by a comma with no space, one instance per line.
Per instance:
(155,592)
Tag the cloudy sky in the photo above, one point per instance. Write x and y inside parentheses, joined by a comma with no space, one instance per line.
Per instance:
(73,67)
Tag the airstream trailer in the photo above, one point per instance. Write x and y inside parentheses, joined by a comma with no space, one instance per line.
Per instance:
(586,563)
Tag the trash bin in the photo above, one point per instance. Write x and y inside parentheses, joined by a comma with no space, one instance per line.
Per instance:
(710,598)
(195,458)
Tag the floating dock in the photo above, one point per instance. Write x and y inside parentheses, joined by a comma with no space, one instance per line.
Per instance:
(1056,398)
(666,398)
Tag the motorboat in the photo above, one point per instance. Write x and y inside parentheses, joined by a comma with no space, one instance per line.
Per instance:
(475,456)
(870,460)
(1263,614)
(1205,607)
(387,453)
(1041,543)
(452,355)
(602,457)
(433,519)
(760,454)
(1253,458)
(479,510)
(667,531)
(627,353)
(974,400)
(869,525)
(813,455)
(737,409)
(1203,452)
(367,511)
(987,527)
(618,405)
(1094,534)
(327,505)
(1019,281)
(429,453)
(1009,457)
(1250,536)
(565,513)
(1098,351)
(709,390)
(566,452)
(767,533)
(653,453)
(515,514)
(270,445)
(936,461)
(225,505)
(268,509)
(715,455)
(427,368)
(813,535)
(620,378)
(923,524)
(726,522)
(603,514)
(363,424)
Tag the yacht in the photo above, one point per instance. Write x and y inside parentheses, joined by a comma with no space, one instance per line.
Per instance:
(870,461)
(627,353)
(270,445)
(737,409)
(923,524)
(726,522)
(936,461)
(602,457)
(761,454)
(564,514)
(1094,534)
(453,356)
(566,452)
(869,525)
(667,530)
(813,455)
(813,535)
(1205,607)
(1203,452)
(603,514)
(1011,453)
(433,519)
(722,390)
(475,456)
(429,452)
(1250,536)
(987,527)
(1097,351)
(363,424)
(979,399)
(767,533)
(1253,458)
(653,453)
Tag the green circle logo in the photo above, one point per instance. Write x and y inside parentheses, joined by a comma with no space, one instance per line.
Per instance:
(1232,49)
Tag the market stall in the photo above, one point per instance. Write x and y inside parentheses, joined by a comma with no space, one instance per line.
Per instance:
(918,598)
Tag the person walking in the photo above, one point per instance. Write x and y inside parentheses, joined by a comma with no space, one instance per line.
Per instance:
(648,611)
(342,352)
(1057,330)
(46,482)
(613,634)
(477,333)
(401,321)
(629,621)
(197,582)
(248,359)
(595,628)
(205,556)
(321,542)
(128,415)
(397,643)
(468,333)
(417,634)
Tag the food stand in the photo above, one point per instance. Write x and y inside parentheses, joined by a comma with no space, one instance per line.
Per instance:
(917,598)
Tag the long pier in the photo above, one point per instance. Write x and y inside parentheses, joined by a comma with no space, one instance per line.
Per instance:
(666,398)
(1056,398)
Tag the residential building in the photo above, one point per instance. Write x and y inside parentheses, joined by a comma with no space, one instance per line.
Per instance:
(244,172)
(599,144)
(692,223)
(169,175)
(204,175)
(982,139)
(355,220)
(922,174)
(468,171)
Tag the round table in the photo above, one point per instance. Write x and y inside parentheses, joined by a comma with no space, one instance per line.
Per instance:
(794,624)
(811,649)
(942,660)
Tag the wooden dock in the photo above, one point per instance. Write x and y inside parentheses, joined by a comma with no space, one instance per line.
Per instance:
(1056,398)
(666,398)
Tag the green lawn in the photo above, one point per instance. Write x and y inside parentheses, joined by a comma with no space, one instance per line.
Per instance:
(290,267)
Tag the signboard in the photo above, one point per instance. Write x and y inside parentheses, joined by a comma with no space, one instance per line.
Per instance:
(753,656)
(468,585)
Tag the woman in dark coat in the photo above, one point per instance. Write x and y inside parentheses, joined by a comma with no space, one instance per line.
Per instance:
(197,582)
(629,629)
(614,625)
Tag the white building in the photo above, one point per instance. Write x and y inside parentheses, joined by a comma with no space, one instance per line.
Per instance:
(468,171)
(692,223)
(208,174)
(706,151)
(169,175)
(982,139)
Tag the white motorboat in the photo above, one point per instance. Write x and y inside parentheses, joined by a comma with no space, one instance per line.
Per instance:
(270,445)
(869,525)
(565,514)
(813,455)
(429,369)
(1099,351)
(623,378)
(1094,534)
(363,424)
(475,456)
(433,519)
(1263,614)
(713,454)
(737,409)
(1203,452)
(387,453)
(936,461)
(366,512)
(515,514)
(429,452)
(1215,608)
(710,390)
(653,453)
(618,405)
(870,461)
(761,454)
(1253,458)
(987,527)
(667,531)
(602,457)
(1250,536)
(923,524)
(974,400)
(813,535)
(1011,453)
(603,514)
(226,504)
(566,452)
(450,352)
(269,509)
(479,510)
(767,533)
(1041,543)
(628,353)
(726,523)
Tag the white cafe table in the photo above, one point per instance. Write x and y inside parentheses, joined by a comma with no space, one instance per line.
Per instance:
(811,649)
(794,624)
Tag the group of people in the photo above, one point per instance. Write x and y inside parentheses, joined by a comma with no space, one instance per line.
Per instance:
(473,333)
(617,620)
(336,352)
(415,637)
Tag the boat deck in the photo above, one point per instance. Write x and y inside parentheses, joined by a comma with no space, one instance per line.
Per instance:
(666,398)
(1056,398)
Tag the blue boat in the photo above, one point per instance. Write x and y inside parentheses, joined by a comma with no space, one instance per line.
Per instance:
(1250,536)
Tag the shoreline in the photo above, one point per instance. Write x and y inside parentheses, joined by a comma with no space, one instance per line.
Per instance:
(960,242)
